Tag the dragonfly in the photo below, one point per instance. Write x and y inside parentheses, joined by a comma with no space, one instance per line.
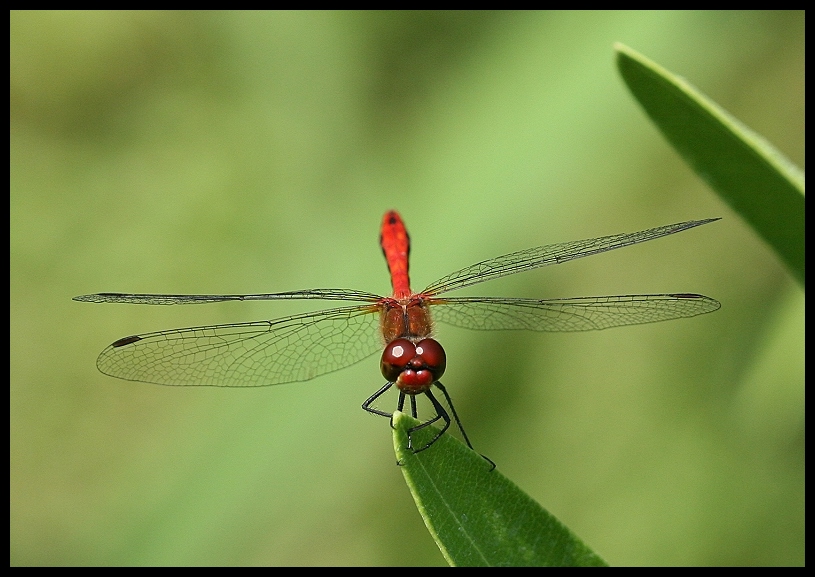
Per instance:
(304,346)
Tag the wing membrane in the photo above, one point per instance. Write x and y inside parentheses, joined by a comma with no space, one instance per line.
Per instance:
(570,314)
(157,299)
(532,258)
(253,354)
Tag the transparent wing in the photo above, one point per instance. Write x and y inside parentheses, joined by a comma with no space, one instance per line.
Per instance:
(156,299)
(255,354)
(549,254)
(570,314)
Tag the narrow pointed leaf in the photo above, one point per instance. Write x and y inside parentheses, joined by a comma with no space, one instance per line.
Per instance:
(477,516)
(749,173)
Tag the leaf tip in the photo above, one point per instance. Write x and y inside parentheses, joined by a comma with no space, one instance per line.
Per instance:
(620,47)
(400,440)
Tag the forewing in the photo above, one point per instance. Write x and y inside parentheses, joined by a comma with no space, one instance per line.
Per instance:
(539,256)
(254,354)
(160,299)
(568,315)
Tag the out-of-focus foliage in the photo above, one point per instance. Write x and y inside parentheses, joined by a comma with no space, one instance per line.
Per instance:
(748,172)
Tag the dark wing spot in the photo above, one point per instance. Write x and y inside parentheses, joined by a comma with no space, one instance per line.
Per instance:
(126,341)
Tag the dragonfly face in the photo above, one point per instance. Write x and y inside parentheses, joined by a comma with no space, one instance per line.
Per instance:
(413,367)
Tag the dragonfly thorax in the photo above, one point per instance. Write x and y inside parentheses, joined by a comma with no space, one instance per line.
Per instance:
(407,318)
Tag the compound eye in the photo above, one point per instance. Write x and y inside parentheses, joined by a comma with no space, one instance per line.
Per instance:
(396,356)
(433,357)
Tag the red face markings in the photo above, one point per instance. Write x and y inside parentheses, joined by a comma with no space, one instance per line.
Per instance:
(413,367)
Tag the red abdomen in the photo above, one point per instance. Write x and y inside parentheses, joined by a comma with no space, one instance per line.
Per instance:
(395,244)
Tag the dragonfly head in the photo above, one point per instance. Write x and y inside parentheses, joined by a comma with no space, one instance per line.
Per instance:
(413,367)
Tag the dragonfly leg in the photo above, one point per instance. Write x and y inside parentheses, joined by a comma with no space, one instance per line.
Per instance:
(400,405)
(455,415)
(367,404)
(458,422)
(440,414)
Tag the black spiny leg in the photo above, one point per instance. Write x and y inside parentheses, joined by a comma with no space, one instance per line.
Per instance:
(367,404)
(458,423)
(455,416)
(440,414)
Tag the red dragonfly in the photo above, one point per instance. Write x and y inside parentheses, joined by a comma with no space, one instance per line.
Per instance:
(301,347)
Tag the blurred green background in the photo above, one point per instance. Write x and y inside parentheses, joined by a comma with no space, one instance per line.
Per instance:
(256,152)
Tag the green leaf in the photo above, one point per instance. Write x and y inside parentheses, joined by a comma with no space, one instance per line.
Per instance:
(750,174)
(477,516)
